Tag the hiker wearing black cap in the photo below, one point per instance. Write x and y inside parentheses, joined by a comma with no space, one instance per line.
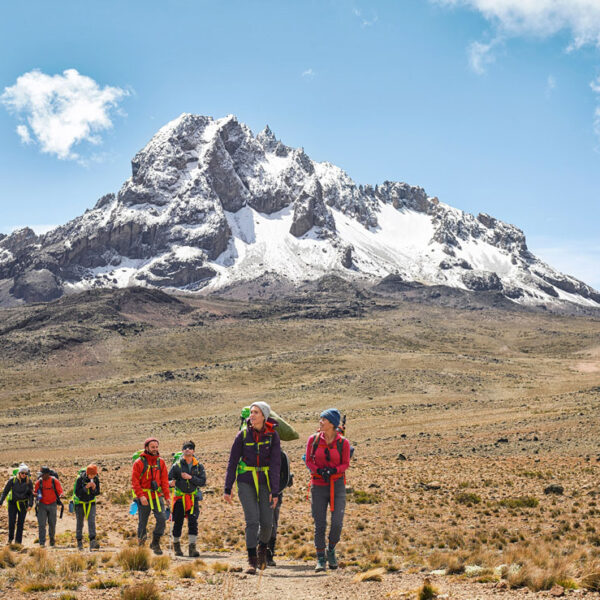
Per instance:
(151,488)
(328,457)
(255,461)
(48,491)
(187,476)
(18,493)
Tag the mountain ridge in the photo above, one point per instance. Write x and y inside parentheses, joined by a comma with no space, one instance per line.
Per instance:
(209,205)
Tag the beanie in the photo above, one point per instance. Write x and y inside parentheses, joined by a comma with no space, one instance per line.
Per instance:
(264,408)
(333,416)
(23,468)
(150,439)
(91,471)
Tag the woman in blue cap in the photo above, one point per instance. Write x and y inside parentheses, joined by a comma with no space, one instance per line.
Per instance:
(328,457)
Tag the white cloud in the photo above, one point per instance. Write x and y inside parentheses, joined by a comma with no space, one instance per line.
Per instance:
(309,73)
(480,55)
(543,18)
(61,110)
(365,22)
(24,134)
(579,258)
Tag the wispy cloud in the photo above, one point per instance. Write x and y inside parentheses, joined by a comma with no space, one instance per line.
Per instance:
(481,55)
(550,84)
(542,18)
(61,111)
(309,73)
(365,21)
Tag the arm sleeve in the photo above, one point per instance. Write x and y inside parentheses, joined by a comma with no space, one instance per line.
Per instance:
(173,472)
(311,464)
(275,464)
(30,493)
(136,471)
(164,480)
(96,492)
(37,486)
(6,490)
(80,490)
(234,459)
(199,480)
(345,458)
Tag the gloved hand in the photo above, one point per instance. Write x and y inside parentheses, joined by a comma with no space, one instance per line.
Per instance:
(332,470)
(324,473)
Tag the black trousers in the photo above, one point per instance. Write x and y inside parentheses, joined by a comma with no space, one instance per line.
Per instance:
(179,516)
(16,516)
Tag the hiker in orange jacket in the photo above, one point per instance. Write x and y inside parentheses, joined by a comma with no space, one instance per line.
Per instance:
(150,482)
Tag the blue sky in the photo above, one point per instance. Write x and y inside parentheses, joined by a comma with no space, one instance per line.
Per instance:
(489,105)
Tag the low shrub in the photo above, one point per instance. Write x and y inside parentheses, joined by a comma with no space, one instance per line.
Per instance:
(134,558)
(141,591)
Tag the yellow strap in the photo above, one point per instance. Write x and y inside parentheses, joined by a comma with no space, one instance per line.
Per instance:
(149,492)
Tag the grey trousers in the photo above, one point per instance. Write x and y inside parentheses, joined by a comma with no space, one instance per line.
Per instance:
(46,513)
(91,520)
(257,512)
(144,515)
(320,508)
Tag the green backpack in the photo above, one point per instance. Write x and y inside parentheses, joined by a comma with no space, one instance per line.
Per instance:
(286,432)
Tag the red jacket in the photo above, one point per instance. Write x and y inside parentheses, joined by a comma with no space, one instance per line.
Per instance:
(48,495)
(319,460)
(141,476)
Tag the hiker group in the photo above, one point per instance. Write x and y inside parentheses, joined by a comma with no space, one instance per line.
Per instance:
(257,466)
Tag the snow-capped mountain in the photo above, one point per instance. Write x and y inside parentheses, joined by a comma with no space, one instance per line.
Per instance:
(209,205)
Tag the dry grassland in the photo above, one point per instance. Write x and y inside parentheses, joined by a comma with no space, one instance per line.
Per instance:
(488,407)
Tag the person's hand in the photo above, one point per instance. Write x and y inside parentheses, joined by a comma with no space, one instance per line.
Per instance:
(332,470)
(171,483)
(186,476)
(227,498)
(143,500)
(273,500)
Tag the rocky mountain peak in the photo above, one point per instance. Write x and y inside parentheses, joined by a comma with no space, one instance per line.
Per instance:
(209,204)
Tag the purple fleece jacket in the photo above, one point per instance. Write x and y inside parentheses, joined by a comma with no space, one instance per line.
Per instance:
(269,455)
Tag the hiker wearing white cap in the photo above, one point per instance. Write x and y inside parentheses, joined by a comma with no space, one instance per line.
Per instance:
(18,492)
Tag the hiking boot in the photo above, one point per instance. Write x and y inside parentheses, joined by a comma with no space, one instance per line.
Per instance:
(262,556)
(177,549)
(331,558)
(155,545)
(270,561)
(252,565)
(80,545)
(94,545)
(193,552)
(52,542)
(142,541)
(321,564)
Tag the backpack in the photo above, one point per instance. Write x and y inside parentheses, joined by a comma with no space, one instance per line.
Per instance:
(286,432)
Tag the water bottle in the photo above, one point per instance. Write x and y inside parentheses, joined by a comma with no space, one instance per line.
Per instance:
(133,508)
(71,506)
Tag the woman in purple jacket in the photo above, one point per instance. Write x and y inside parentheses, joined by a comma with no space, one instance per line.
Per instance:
(255,461)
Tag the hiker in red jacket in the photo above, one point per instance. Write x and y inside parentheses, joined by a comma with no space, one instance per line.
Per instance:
(328,457)
(150,482)
(48,492)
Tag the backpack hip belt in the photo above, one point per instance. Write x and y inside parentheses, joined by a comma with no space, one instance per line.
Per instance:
(87,506)
(188,499)
(244,468)
(332,479)
(149,492)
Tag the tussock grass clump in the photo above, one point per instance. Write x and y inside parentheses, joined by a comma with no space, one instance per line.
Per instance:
(427,591)
(452,562)
(467,498)
(38,585)
(67,596)
(362,497)
(219,567)
(591,578)
(105,584)
(371,575)
(74,563)
(161,563)
(141,591)
(186,571)
(39,563)
(134,558)
(7,559)
(520,502)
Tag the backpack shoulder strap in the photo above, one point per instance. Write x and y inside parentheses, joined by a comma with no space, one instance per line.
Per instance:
(54,488)
(340,446)
(315,444)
